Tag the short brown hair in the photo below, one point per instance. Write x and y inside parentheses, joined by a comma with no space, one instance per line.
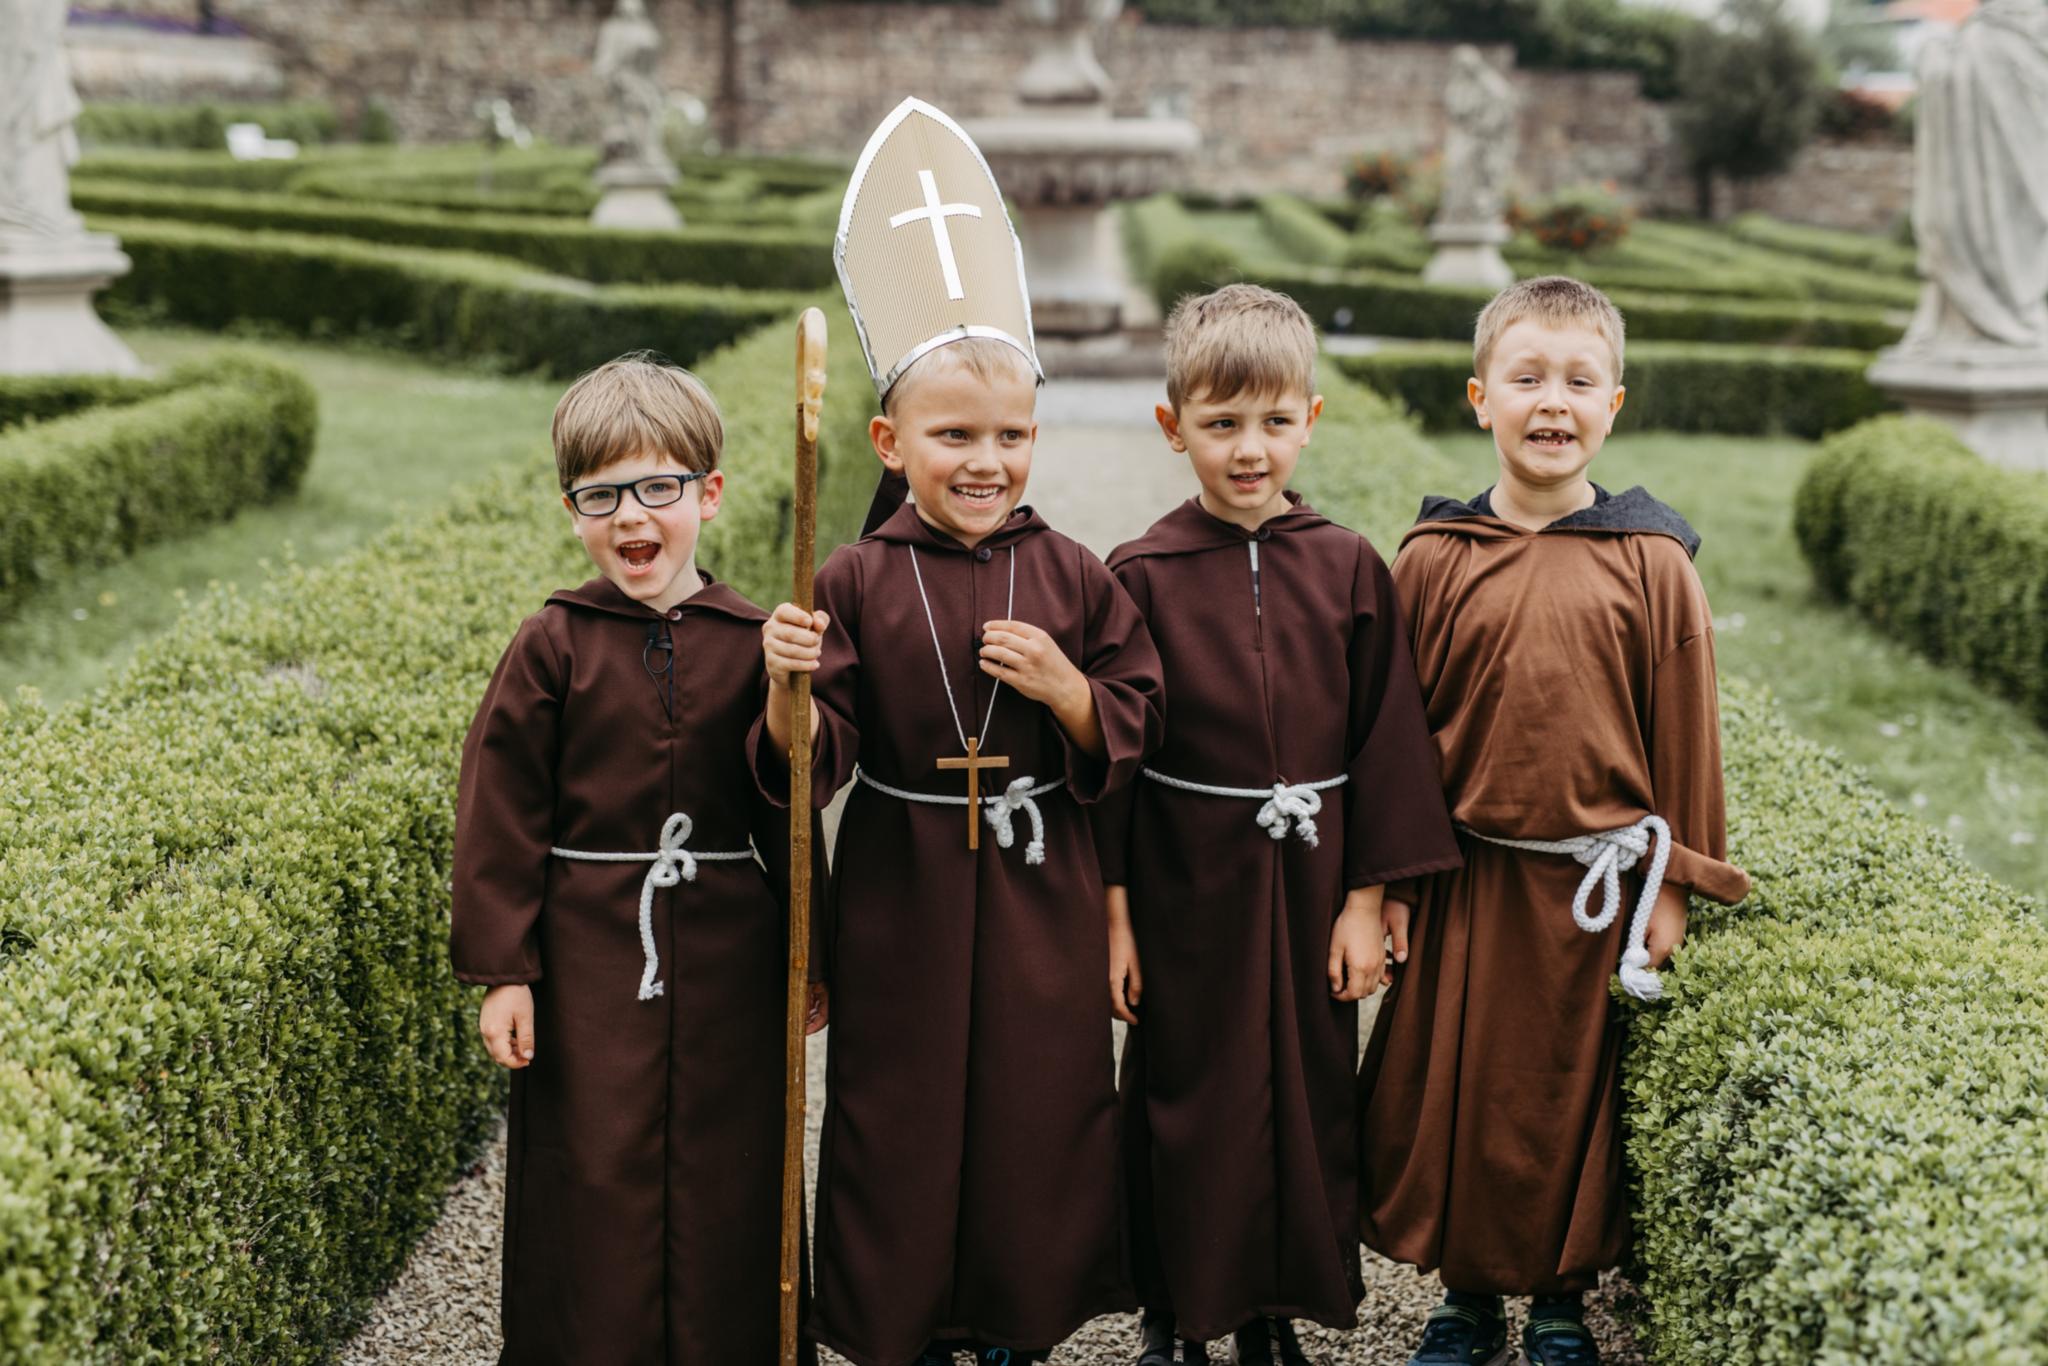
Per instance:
(640,404)
(1553,301)
(1240,338)
(983,357)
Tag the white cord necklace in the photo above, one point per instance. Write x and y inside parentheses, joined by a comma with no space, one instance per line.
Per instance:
(1009,613)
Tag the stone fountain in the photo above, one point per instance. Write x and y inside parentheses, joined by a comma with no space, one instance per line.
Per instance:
(1064,162)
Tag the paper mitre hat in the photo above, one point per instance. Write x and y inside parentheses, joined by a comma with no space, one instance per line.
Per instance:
(926,251)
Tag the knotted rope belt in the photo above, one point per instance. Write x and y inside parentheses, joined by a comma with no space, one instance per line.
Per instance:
(672,863)
(1606,857)
(1290,808)
(998,810)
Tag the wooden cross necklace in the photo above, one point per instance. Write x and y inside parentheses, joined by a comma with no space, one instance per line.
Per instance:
(974,761)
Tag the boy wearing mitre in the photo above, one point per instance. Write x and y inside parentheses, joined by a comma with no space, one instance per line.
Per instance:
(981,679)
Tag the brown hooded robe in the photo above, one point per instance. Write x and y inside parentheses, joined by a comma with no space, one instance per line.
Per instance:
(643,1178)
(1569,678)
(1239,1085)
(967,1185)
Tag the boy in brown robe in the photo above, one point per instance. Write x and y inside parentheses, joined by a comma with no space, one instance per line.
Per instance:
(1566,654)
(608,892)
(991,679)
(1296,778)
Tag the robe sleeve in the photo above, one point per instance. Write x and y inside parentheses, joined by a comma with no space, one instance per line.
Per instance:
(1396,826)
(1685,771)
(1127,681)
(1111,816)
(505,815)
(834,687)
(1411,592)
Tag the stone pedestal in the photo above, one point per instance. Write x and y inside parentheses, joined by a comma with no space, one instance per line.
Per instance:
(1065,172)
(635,195)
(1468,254)
(47,324)
(1995,397)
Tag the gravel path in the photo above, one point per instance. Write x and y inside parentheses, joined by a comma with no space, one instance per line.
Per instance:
(1103,475)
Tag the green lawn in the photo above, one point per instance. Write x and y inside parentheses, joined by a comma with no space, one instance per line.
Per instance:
(1970,763)
(394,435)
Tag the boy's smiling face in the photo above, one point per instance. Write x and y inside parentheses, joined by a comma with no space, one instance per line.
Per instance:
(1243,449)
(1549,395)
(964,443)
(649,553)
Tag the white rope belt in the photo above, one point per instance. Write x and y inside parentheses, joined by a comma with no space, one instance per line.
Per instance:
(997,810)
(672,864)
(1606,857)
(1290,808)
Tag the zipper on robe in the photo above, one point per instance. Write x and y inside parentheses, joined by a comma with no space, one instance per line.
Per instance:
(1258,610)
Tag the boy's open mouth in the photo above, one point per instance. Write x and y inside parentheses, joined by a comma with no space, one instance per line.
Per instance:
(639,554)
(1248,480)
(978,495)
(1551,436)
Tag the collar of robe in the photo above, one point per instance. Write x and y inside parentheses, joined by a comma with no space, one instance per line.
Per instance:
(602,595)
(905,527)
(1191,529)
(1616,514)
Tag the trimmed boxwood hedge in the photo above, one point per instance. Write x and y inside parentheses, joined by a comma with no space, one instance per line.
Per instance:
(1855,250)
(238,1073)
(203,127)
(746,258)
(1937,546)
(1836,1116)
(227,431)
(449,303)
(1672,386)
(38,398)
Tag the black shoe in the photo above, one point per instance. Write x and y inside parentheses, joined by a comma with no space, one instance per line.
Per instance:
(1460,1335)
(1157,1344)
(934,1354)
(1267,1342)
(1559,1340)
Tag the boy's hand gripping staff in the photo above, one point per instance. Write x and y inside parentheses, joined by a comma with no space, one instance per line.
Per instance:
(810,395)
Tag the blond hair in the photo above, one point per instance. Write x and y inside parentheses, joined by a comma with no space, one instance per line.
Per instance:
(987,359)
(1552,301)
(1238,339)
(640,404)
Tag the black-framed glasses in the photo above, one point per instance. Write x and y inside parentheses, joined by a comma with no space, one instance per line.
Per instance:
(654,491)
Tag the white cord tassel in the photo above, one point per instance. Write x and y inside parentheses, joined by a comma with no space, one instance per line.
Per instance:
(670,864)
(999,810)
(1297,805)
(1606,857)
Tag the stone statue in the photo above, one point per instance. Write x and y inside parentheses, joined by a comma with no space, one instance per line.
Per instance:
(1065,70)
(1479,149)
(628,56)
(1980,195)
(38,145)
(1479,155)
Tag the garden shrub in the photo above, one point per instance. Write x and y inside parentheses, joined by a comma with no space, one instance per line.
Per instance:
(1375,174)
(1937,546)
(203,127)
(38,398)
(238,1072)
(225,432)
(1837,1113)
(448,303)
(1580,219)
(1302,232)
(1858,251)
(750,258)
(1672,386)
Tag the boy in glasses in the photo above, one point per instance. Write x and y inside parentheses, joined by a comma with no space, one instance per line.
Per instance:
(620,887)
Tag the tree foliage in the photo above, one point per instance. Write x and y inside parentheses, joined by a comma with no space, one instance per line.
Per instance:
(1750,91)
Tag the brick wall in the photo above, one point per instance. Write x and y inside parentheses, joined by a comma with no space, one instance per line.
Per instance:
(1279,108)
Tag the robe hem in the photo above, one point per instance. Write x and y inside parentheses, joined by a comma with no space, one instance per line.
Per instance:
(1116,1304)
(1322,1318)
(1572,1283)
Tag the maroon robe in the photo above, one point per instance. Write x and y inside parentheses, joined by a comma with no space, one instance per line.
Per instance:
(642,1209)
(1239,1084)
(1569,679)
(967,1185)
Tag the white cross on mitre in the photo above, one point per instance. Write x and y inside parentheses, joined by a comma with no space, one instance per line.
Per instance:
(938,213)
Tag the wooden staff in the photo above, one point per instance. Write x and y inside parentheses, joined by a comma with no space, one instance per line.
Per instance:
(810,394)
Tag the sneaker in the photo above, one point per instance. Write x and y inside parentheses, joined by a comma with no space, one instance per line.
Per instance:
(1005,1356)
(934,1355)
(1158,1346)
(1460,1336)
(1558,1340)
(1267,1342)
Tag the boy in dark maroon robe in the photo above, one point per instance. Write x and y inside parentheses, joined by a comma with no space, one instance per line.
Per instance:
(1566,654)
(620,886)
(1295,780)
